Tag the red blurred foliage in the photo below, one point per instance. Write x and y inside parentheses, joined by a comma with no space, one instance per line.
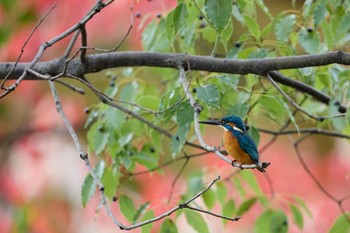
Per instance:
(38,162)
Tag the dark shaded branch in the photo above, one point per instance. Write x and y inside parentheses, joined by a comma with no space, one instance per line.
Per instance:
(302,87)
(291,101)
(306,131)
(102,61)
(98,62)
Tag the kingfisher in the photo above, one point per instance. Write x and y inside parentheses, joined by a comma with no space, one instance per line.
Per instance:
(237,142)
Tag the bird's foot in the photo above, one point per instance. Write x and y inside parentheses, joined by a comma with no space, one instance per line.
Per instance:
(234,162)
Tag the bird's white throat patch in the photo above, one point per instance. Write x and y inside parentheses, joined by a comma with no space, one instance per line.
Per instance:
(234,127)
(238,129)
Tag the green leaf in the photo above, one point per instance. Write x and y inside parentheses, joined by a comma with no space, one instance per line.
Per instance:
(253,26)
(339,123)
(263,222)
(145,159)
(271,221)
(341,224)
(128,92)
(221,192)
(328,34)
(297,216)
(184,114)
(140,211)
(209,198)
(88,189)
(276,109)
(195,182)
(219,13)
(127,207)
(92,116)
(98,137)
(249,177)
(258,53)
(239,109)
(148,227)
(114,117)
(309,40)
(168,226)
(178,141)
(255,134)
(344,26)
(226,35)
(174,20)
(273,107)
(154,37)
(279,222)
(284,27)
(89,186)
(196,221)
(319,13)
(303,205)
(148,101)
(208,94)
(264,8)
(228,209)
(110,180)
(246,205)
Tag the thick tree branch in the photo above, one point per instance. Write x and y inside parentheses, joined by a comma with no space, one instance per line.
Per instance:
(102,61)
(99,62)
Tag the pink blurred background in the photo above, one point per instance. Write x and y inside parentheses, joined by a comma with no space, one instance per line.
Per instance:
(40,170)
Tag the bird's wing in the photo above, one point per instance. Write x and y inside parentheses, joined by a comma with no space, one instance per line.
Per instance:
(248,146)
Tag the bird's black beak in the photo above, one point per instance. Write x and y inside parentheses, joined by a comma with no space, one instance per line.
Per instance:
(211,122)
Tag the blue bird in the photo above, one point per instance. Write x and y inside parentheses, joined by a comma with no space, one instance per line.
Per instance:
(237,142)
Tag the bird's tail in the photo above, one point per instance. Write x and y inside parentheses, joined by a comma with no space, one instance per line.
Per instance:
(260,168)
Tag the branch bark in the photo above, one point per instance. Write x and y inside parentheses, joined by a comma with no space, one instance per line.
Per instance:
(98,62)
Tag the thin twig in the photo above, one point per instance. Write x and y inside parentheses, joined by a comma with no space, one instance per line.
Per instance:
(213,214)
(124,37)
(169,163)
(176,178)
(83,44)
(107,100)
(197,109)
(71,44)
(339,202)
(82,153)
(95,10)
(180,206)
(306,131)
(25,44)
(292,101)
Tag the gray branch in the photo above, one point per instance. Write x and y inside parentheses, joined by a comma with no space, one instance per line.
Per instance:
(98,62)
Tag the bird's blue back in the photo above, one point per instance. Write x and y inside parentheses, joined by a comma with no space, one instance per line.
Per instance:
(246,143)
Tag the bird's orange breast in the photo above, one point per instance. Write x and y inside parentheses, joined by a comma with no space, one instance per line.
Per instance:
(233,149)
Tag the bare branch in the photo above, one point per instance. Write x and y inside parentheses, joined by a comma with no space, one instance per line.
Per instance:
(302,87)
(339,201)
(213,214)
(25,44)
(180,206)
(125,36)
(9,72)
(306,131)
(292,101)
(197,109)
(98,62)
(71,44)
(177,177)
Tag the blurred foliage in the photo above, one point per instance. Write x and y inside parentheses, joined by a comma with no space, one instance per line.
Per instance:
(222,29)
(16,15)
